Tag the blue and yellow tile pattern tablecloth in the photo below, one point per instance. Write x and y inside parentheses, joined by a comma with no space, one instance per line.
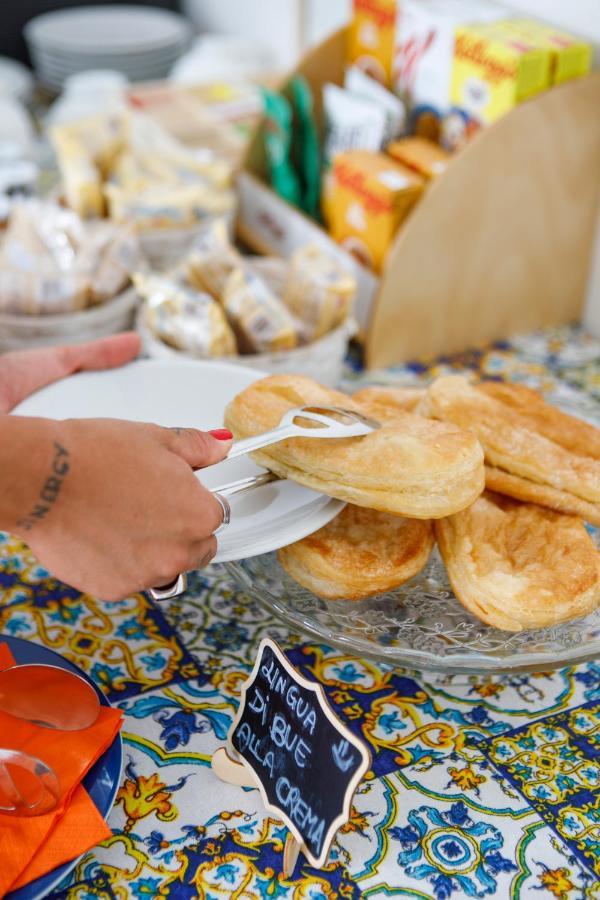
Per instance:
(480,786)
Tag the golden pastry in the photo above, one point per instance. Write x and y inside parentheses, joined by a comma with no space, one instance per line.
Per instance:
(359,553)
(413,466)
(517,565)
(571,433)
(520,461)
(388,400)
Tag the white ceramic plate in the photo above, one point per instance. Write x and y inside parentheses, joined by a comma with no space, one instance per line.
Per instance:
(108,29)
(194,394)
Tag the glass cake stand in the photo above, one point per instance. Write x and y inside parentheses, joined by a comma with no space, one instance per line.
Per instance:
(420,625)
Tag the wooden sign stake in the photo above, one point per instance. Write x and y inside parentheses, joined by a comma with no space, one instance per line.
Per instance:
(291,851)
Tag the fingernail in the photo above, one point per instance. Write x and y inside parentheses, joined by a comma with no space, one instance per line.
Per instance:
(221,434)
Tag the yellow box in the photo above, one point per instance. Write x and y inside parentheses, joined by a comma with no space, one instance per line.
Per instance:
(372,37)
(370,195)
(571,56)
(420,154)
(492,73)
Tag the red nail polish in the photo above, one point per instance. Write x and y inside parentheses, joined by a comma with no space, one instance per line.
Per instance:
(221,434)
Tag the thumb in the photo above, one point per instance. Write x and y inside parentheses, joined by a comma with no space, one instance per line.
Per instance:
(200,448)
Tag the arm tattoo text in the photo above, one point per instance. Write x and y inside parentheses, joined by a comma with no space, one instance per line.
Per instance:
(50,489)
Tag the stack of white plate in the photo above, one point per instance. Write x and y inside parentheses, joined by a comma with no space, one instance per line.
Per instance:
(142,42)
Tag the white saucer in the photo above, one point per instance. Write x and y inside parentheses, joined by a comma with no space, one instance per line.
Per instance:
(194,394)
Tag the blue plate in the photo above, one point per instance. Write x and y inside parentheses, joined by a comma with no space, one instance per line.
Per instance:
(101,782)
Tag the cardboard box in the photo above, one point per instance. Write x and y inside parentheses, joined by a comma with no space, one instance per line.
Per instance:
(424,156)
(571,56)
(425,47)
(372,37)
(492,73)
(370,196)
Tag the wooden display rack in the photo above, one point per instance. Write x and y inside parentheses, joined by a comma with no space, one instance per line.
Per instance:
(501,243)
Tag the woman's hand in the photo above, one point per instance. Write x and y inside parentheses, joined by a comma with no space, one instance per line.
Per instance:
(25,371)
(110,507)
(119,508)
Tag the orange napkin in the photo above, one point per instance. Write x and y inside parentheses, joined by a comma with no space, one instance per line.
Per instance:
(32,846)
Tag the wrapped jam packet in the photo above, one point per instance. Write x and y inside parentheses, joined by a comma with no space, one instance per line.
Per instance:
(318,291)
(278,142)
(184,318)
(359,83)
(260,320)
(351,122)
(306,140)
(212,260)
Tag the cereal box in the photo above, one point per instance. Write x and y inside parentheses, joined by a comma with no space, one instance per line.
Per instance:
(371,195)
(571,56)
(372,36)
(492,73)
(423,156)
(425,47)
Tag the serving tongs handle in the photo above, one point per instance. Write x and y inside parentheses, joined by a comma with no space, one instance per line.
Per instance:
(249,445)
(243,485)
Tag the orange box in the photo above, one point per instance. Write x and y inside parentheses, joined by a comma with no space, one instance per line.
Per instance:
(423,156)
(369,196)
(372,37)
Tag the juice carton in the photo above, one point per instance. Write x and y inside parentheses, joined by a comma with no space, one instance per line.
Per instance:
(571,56)
(425,47)
(492,73)
(372,36)
(370,195)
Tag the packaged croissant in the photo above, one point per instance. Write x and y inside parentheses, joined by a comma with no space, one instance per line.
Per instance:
(184,318)
(53,262)
(261,321)
(110,254)
(318,291)
(212,260)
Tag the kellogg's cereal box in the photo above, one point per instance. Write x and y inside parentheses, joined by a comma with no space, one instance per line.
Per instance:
(492,73)
(370,195)
(372,37)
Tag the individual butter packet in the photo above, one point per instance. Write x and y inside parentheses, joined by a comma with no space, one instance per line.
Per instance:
(318,291)
(351,122)
(212,260)
(306,140)
(260,320)
(278,142)
(368,88)
(184,318)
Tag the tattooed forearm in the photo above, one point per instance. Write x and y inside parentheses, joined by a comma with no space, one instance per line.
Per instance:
(50,489)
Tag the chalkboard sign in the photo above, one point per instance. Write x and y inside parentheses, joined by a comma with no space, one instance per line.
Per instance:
(307,763)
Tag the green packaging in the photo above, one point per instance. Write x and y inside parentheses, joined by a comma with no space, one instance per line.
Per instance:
(306,145)
(278,142)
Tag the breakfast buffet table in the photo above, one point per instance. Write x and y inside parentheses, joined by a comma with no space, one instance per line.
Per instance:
(480,784)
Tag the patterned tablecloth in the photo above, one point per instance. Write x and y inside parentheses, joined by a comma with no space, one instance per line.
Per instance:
(480,785)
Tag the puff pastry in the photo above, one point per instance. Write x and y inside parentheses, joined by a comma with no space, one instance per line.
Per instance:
(413,466)
(518,566)
(569,432)
(359,553)
(520,461)
(388,400)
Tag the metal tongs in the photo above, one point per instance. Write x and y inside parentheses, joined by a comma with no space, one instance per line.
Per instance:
(326,422)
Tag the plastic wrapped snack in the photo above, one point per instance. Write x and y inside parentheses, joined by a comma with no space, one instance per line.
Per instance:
(185,318)
(259,318)
(212,261)
(318,291)
(53,262)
